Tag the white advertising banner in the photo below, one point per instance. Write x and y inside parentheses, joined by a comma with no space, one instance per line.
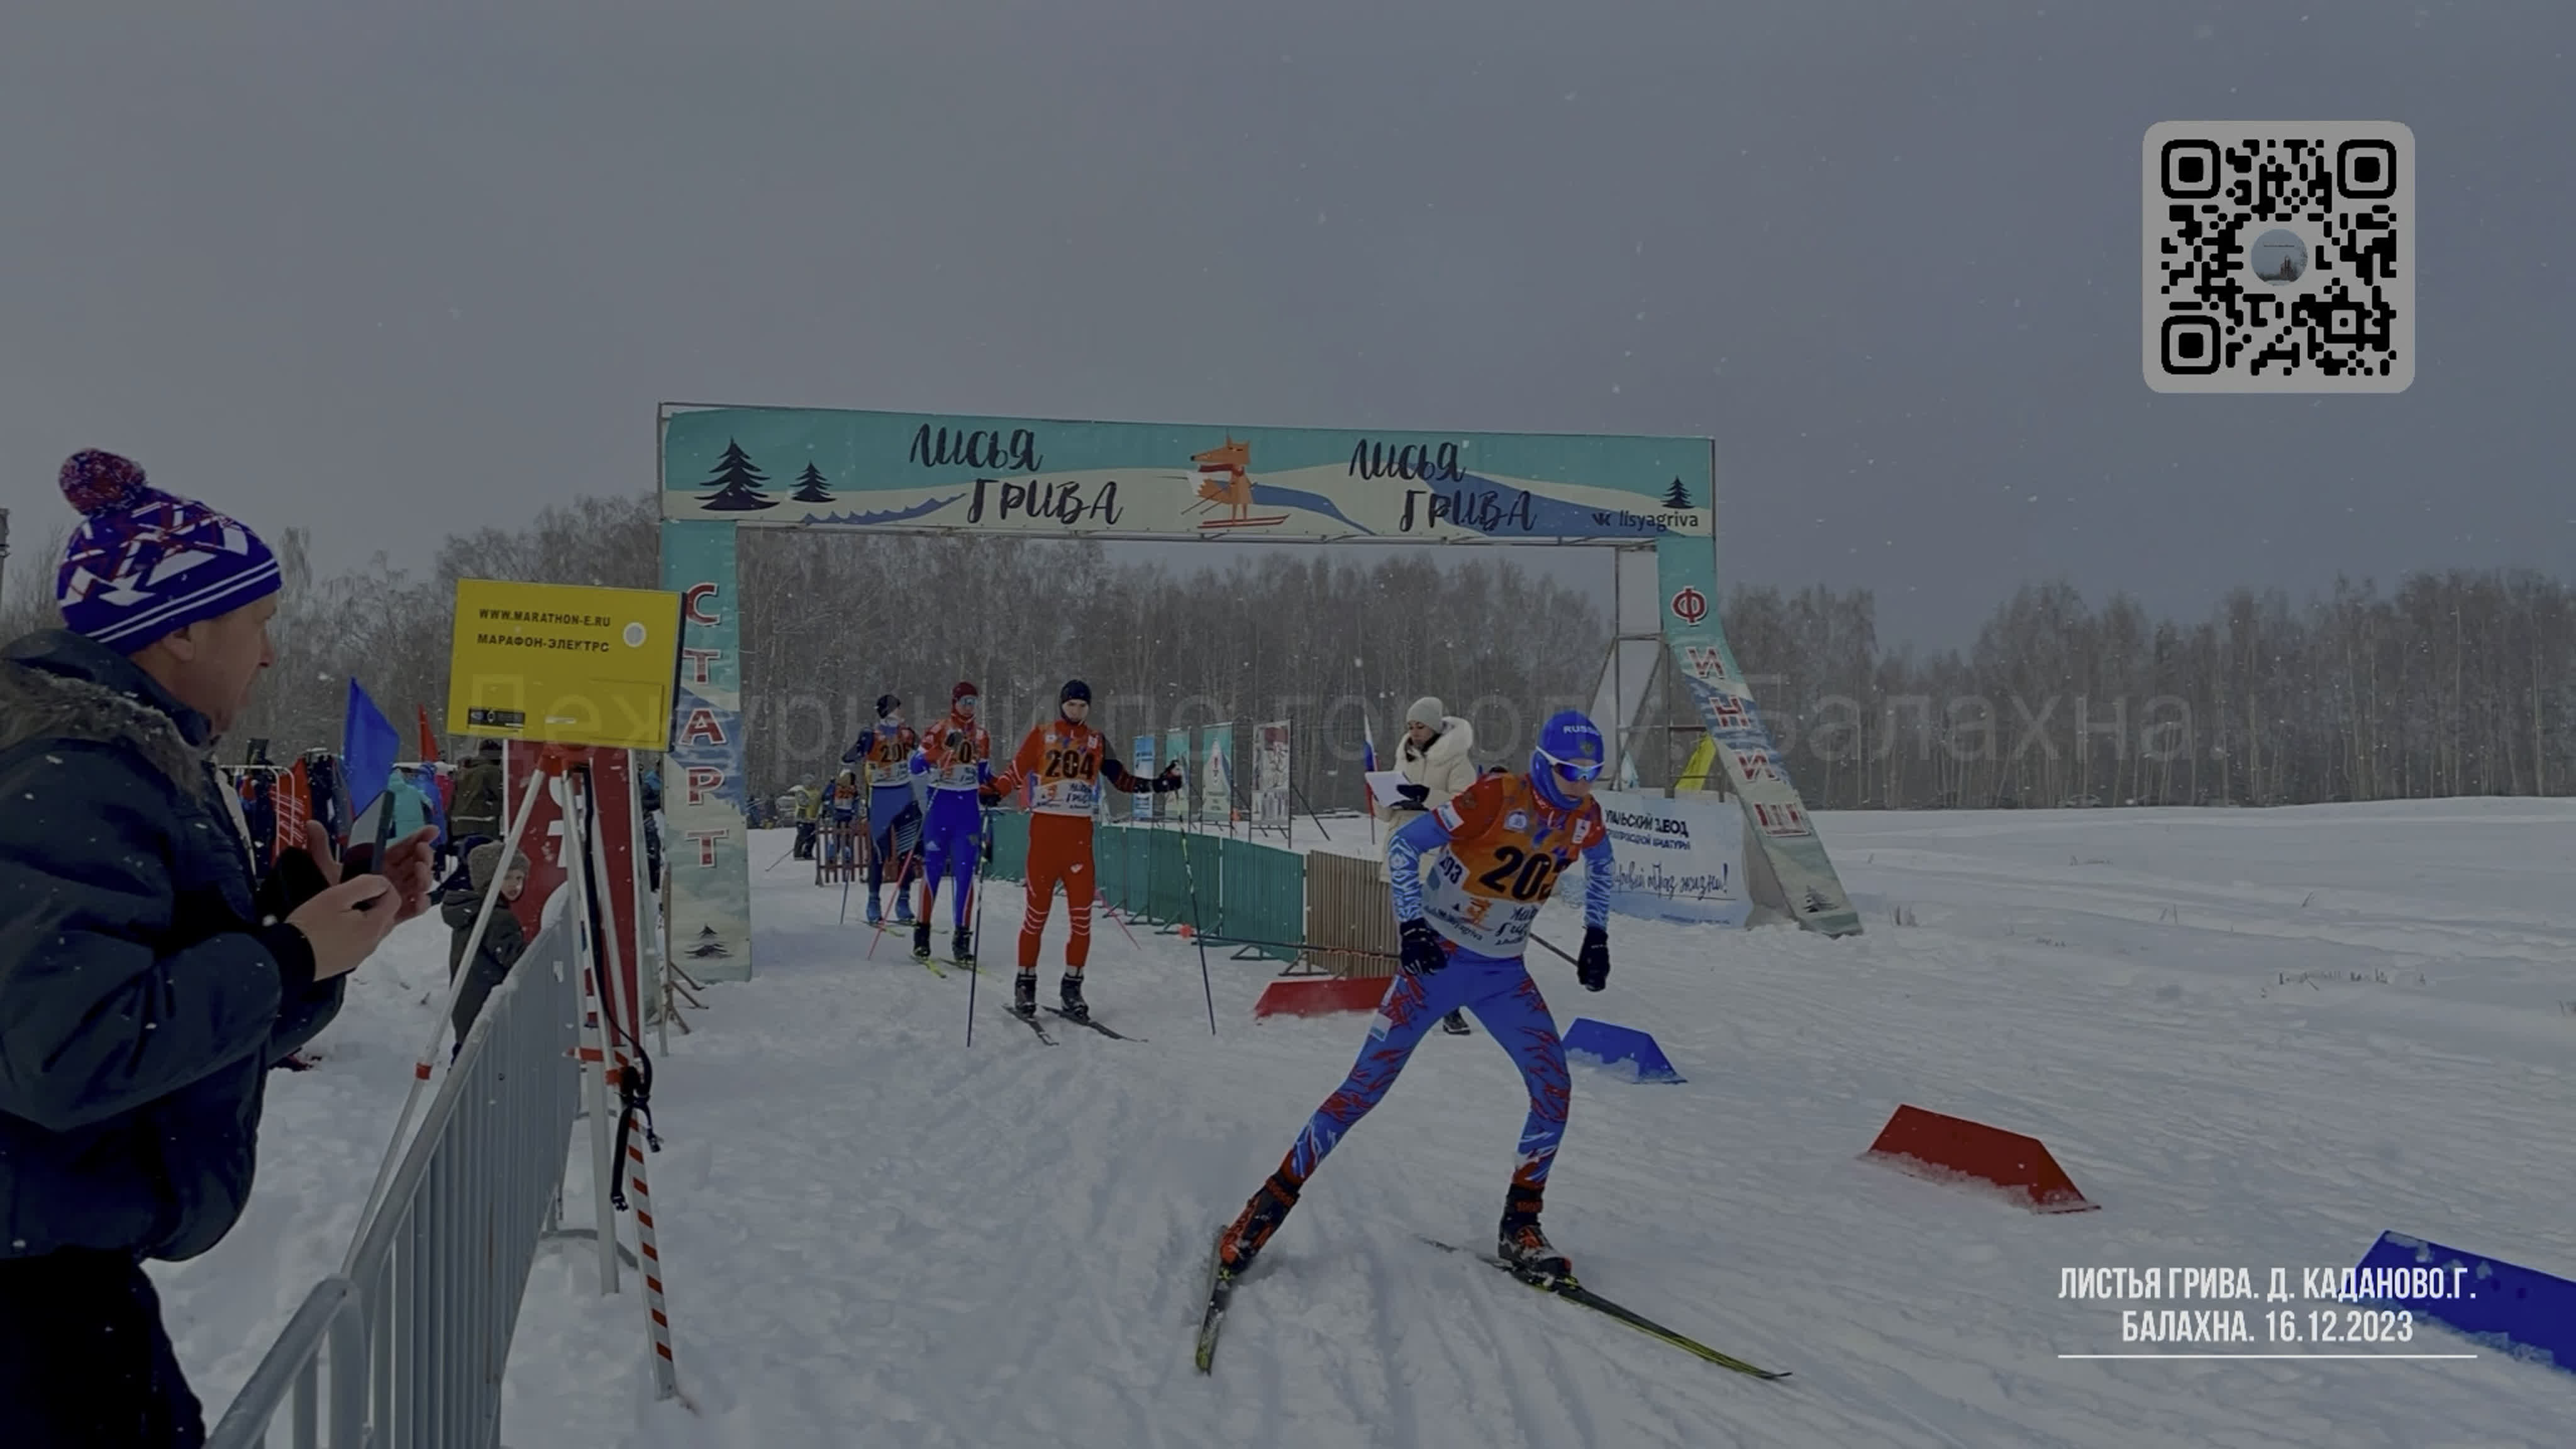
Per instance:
(1678,860)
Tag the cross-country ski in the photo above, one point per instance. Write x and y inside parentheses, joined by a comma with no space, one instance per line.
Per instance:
(1574,1292)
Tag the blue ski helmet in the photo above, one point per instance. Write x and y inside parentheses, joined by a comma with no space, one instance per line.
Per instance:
(1569,748)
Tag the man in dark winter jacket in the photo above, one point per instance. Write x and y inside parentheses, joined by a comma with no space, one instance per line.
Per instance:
(146,986)
(476,814)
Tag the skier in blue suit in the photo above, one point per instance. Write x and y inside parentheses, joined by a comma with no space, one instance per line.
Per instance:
(956,759)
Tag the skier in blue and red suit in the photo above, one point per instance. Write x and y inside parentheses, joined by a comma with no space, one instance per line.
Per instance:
(1492,857)
(956,757)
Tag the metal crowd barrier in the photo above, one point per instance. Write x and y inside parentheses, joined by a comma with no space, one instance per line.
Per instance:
(408,1350)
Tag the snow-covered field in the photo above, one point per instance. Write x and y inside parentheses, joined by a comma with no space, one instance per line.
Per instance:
(2257,1038)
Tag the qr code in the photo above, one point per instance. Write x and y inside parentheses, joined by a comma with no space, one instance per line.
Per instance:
(2280,256)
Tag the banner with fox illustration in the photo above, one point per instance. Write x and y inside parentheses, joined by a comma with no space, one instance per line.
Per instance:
(724,468)
(813,468)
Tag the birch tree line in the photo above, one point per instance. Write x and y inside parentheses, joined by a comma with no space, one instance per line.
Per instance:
(2452,683)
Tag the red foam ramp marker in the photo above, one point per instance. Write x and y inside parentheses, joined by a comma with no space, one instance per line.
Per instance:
(1320,995)
(1928,1144)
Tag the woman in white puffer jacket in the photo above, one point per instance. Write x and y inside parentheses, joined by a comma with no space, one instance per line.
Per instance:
(1433,754)
(1434,758)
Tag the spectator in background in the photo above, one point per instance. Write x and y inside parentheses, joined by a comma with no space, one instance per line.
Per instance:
(809,811)
(410,805)
(504,939)
(475,814)
(1433,757)
(146,983)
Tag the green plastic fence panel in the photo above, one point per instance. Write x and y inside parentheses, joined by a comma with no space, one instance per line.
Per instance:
(1167,885)
(1119,856)
(1010,845)
(1137,853)
(1261,897)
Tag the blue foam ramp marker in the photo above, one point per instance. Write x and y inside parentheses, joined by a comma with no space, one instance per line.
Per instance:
(1616,1046)
(2518,1311)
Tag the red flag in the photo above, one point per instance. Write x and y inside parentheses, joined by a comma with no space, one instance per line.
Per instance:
(428,740)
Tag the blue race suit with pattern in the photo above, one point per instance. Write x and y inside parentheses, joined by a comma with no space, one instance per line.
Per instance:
(1495,853)
(953,835)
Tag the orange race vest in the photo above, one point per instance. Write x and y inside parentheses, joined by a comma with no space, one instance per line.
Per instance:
(1507,848)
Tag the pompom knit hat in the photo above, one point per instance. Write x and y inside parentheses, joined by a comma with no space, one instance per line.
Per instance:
(145,563)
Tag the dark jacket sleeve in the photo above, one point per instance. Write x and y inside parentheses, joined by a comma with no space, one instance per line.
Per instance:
(95,1023)
(505,940)
(305,1007)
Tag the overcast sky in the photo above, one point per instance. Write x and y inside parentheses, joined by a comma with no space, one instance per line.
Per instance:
(389,270)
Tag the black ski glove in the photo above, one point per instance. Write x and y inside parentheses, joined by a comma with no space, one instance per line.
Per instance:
(1421,951)
(1592,963)
(1170,780)
(1415,797)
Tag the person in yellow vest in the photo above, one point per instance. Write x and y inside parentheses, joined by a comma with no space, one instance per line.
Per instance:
(807,807)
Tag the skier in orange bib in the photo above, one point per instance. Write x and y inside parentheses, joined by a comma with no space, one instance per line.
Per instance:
(1064,762)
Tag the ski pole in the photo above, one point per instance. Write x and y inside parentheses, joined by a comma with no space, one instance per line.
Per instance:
(1302,947)
(902,868)
(1559,950)
(983,832)
(1191,877)
(842,864)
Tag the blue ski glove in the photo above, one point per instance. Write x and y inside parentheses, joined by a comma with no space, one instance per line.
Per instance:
(1592,963)
(1421,950)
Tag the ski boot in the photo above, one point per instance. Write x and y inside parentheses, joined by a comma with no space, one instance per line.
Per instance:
(1024,995)
(876,912)
(902,906)
(1070,990)
(1521,1245)
(1261,1217)
(1455,1023)
(921,940)
(961,947)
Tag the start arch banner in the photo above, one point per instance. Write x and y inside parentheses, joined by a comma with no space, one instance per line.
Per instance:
(728,468)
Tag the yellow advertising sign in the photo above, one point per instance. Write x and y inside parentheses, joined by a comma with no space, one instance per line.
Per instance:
(564,663)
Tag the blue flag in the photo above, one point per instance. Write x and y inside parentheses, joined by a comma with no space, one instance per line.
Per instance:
(367,746)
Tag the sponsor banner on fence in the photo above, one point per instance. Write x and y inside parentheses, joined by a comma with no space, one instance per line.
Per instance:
(802,467)
(1678,860)
(1143,805)
(1176,751)
(1271,809)
(1216,774)
(706,860)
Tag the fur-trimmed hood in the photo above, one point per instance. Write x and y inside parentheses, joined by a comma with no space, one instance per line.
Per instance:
(57,685)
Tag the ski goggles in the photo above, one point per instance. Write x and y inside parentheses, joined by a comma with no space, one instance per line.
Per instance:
(1572,770)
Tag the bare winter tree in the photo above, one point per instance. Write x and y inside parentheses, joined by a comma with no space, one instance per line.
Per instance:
(2457,683)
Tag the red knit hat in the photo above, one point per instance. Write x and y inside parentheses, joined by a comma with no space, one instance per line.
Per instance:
(962,690)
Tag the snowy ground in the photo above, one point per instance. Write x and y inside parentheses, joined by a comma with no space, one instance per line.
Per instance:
(2258,1038)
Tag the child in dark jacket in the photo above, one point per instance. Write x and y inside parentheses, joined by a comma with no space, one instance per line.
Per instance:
(503,940)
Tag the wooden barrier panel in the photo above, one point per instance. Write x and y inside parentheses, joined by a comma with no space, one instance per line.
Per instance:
(1349,910)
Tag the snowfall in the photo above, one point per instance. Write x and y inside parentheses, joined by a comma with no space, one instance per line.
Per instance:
(2256,1038)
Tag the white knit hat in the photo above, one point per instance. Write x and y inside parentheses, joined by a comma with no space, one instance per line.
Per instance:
(1425,711)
